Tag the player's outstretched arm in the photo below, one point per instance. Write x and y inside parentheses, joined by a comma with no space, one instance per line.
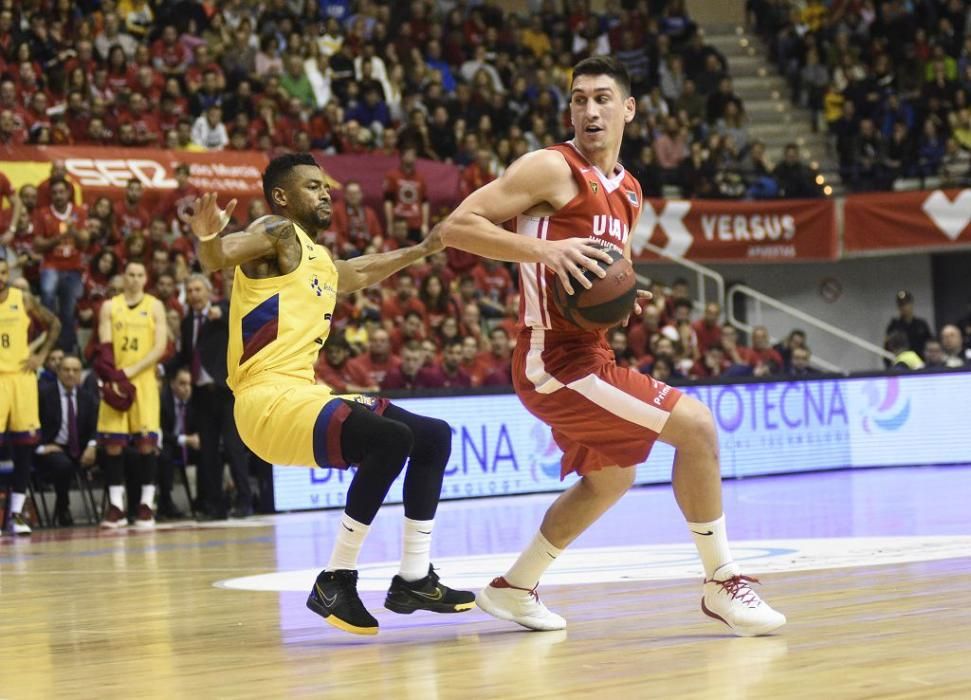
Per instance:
(258,240)
(538,179)
(365,270)
(52,328)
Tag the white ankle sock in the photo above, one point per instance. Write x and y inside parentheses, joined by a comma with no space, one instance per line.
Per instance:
(532,563)
(148,495)
(711,540)
(347,544)
(116,496)
(416,549)
(17,501)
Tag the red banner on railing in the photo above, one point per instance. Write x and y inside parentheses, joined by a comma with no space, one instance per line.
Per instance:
(105,172)
(728,231)
(907,220)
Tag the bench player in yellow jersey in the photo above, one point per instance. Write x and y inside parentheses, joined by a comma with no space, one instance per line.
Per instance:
(19,417)
(133,334)
(284,290)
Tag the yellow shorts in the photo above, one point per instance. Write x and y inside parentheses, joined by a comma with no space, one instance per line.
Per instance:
(296,425)
(142,420)
(19,417)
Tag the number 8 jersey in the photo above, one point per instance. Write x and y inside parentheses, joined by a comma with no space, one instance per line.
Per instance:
(14,327)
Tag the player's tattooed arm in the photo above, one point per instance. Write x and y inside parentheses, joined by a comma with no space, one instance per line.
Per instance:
(52,331)
(271,239)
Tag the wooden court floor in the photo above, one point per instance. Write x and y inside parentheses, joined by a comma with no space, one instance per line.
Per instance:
(137,615)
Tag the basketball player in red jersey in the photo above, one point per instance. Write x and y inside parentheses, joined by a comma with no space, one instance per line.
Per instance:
(568,202)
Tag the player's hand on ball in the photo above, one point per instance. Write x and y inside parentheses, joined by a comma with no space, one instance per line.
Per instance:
(207,218)
(571,257)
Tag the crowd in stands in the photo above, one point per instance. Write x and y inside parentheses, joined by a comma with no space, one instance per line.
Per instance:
(461,82)
(891,82)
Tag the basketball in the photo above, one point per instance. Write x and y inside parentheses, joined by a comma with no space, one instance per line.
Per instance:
(608,301)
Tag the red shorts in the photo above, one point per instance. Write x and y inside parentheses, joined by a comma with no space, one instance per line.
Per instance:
(602,415)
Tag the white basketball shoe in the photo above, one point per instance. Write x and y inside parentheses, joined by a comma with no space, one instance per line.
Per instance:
(729,597)
(520,605)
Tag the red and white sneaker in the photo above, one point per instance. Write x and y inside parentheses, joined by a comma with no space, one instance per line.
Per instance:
(520,605)
(114,518)
(145,520)
(729,598)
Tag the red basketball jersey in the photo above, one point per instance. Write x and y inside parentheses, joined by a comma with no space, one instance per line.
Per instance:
(604,210)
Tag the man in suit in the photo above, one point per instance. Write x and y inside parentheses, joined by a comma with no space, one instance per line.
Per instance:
(68,422)
(180,438)
(204,340)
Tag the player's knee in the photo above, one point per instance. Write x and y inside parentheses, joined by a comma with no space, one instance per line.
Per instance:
(692,426)
(435,442)
(396,440)
(612,482)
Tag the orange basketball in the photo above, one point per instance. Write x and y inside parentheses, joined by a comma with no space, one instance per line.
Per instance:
(608,301)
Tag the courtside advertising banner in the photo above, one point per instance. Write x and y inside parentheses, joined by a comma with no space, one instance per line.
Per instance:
(729,231)
(498,448)
(907,221)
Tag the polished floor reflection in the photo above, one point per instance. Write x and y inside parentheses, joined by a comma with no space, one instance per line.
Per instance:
(219,611)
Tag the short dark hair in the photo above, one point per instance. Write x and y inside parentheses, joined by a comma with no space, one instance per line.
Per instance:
(278,171)
(604,65)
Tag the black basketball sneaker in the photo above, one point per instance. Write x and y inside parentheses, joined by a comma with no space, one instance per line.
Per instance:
(406,597)
(334,597)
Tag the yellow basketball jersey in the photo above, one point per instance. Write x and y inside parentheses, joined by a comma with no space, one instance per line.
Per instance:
(14,330)
(132,330)
(277,325)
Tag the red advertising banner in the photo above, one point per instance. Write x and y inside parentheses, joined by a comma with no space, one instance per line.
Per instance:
(105,172)
(884,222)
(728,231)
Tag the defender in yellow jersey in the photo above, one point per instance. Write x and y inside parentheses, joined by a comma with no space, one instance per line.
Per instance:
(19,418)
(283,296)
(133,334)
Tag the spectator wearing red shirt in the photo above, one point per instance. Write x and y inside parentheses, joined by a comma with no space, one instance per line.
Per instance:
(712,364)
(623,355)
(175,205)
(438,304)
(405,377)
(495,365)
(147,129)
(354,224)
(165,291)
(494,283)
(708,329)
(735,352)
(472,321)
(96,279)
(378,360)
(476,174)
(334,369)
(169,55)
(404,299)
(60,232)
(406,196)
(131,214)
(641,334)
(202,63)
(12,217)
(12,132)
(121,76)
(413,328)
(762,352)
(448,373)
